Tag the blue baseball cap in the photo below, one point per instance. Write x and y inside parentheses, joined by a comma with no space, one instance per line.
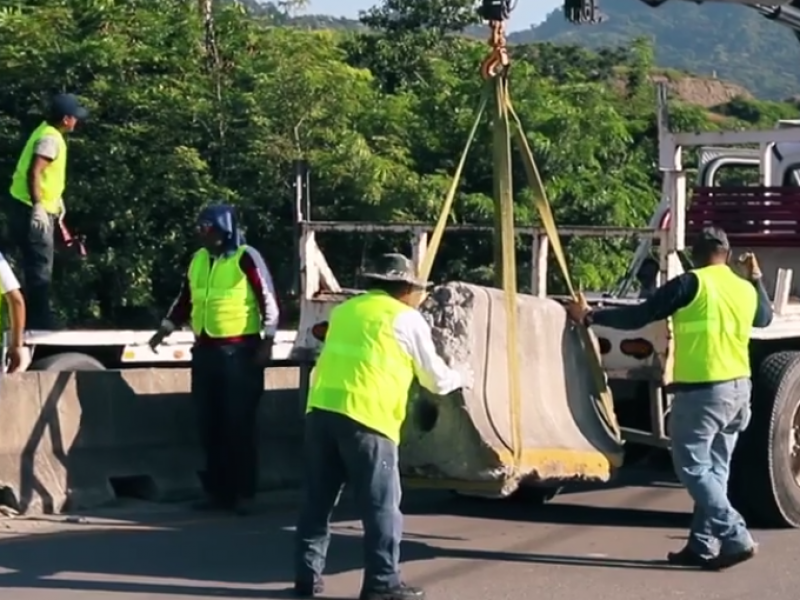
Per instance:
(67,105)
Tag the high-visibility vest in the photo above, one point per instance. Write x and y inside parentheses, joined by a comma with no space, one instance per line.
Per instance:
(712,333)
(363,372)
(53,178)
(224,303)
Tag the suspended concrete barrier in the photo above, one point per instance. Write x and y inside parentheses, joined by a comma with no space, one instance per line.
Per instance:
(466,440)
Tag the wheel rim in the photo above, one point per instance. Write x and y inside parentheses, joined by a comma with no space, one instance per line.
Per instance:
(794,445)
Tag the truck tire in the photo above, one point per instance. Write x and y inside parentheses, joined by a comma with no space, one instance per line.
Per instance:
(68,361)
(765,472)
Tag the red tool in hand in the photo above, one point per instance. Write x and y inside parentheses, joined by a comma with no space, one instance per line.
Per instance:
(71,243)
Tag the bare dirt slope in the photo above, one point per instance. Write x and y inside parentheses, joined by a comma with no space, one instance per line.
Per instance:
(705,92)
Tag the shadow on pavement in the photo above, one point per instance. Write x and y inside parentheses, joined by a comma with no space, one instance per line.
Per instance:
(235,557)
(559,513)
(564,510)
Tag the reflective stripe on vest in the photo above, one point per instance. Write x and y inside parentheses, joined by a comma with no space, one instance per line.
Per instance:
(53,178)
(363,372)
(712,334)
(223,301)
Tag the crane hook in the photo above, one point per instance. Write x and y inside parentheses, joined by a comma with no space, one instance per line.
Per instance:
(498,61)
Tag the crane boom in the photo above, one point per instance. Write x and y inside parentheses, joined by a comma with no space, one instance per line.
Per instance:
(785,12)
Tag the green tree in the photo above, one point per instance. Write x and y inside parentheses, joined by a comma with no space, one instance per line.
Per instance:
(411,16)
(194,103)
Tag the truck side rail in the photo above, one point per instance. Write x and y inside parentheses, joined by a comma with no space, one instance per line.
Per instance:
(318,275)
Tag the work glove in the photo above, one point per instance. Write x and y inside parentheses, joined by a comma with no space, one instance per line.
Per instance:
(748,264)
(40,220)
(264,353)
(578,308)
(62,211)
(467,374)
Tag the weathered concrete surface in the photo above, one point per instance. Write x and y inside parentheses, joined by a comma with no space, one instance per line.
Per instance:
(80,439)
(603,545)
(468,436)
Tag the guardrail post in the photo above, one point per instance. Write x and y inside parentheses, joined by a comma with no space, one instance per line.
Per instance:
(540,250)
(309,271)
(783,287)
(419,246)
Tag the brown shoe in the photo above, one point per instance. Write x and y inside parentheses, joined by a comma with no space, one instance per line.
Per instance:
(686,557)
(726,561)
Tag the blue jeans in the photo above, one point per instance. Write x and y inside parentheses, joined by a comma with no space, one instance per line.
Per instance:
(340,450)
(705,424)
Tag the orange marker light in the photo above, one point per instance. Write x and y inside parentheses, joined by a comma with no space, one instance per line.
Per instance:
(637,348)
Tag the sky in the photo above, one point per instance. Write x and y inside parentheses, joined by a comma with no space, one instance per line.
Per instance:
(528,12)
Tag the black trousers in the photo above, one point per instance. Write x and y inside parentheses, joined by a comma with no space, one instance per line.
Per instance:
(226,389)
(36,250)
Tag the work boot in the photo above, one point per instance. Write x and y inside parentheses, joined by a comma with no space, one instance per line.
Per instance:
(686,557)
(726,561)
(401,592)
(309,589)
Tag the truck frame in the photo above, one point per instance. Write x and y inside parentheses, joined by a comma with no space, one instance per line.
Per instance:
(97,350)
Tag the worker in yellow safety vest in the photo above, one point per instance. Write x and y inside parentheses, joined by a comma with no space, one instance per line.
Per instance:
(375,345)
(713,311)
(228,297)
(12,303)
(37,203)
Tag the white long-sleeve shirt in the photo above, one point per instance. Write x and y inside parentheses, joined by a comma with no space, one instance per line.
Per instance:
(8,281)
(414,335)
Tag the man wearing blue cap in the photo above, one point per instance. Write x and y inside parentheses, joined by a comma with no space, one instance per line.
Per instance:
(229,299)
(713,311)
(37,187)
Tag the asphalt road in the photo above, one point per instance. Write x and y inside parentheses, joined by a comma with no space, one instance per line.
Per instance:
(598,545)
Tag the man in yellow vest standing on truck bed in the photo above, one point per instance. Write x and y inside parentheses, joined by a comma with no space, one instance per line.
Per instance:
(36,190)
(376,344)
(713,312)
(229,299)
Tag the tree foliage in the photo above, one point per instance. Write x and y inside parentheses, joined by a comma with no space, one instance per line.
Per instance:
(181,118)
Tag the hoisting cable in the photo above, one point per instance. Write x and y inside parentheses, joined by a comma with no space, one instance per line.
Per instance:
(504,209)
(494,70)
(441,223)
(606,404)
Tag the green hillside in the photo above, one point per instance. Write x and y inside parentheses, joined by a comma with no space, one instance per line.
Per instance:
(713,40)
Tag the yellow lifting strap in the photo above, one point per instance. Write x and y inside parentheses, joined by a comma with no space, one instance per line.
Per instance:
(497,86)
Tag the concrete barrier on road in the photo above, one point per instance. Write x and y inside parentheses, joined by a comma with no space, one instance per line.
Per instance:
(80,440)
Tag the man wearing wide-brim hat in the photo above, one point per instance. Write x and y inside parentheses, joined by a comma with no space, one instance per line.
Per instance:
(376,344)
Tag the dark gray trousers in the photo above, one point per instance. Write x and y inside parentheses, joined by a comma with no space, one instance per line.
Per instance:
(339,450)
(226,389)
(36,252)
